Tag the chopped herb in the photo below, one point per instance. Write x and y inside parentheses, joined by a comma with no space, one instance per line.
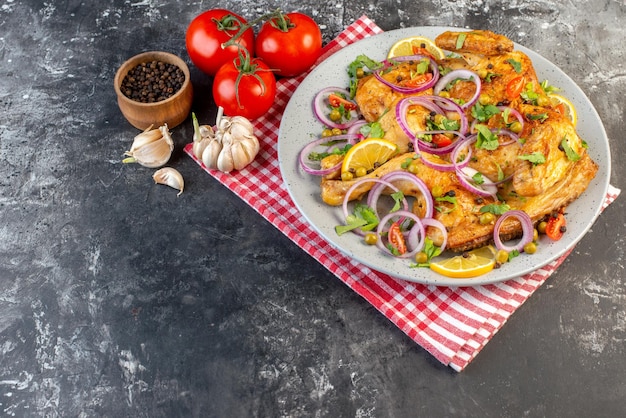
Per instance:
(408,160)
(361,61)
(535,158)
(496,209)
(431,251)
(537,116)
(529,94)
(423,66)
(547,88)
(363,217)
(397,198)
(500,172)
(517,66)
(484,112)
(447,199)
(372,130)
(490,76)
(569,152)
(443,124)
(513,254)
(460,40)
(478,178)
(319,156)
(486,139)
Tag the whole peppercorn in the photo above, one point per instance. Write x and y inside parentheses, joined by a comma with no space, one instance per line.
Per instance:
(152,81)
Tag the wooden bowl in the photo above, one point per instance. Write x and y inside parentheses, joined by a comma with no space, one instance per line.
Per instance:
(173,110)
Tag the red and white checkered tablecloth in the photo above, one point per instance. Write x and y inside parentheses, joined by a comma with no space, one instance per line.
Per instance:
(452,323)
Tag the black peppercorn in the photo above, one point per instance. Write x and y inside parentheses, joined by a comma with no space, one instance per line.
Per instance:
(153,81)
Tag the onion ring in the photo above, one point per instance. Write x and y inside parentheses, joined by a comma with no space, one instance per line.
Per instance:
(527,230)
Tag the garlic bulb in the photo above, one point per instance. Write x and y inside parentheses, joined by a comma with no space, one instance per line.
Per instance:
(170,177)
(231,145)
(152,148)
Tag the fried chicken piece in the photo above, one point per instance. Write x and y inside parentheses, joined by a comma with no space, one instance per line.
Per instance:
(462,220)
(482,42)
(547,138)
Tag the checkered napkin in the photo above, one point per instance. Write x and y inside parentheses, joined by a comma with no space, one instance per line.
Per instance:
(451,323)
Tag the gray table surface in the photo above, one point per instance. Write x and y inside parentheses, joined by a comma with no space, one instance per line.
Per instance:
(119,299)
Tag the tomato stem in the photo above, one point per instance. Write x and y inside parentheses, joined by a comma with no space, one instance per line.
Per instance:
(233,40)
(247,67)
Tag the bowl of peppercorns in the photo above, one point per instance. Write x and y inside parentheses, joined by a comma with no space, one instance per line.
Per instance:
(154,88)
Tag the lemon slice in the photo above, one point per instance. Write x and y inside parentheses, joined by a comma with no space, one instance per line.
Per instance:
(568,107)
(367,155)
(413,45)
(470,264)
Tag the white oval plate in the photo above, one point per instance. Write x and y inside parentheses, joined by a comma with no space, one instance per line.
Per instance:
(299,126)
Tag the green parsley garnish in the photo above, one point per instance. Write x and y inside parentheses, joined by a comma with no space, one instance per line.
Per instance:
(569,152)
(535,158)
(460,41)
(363,217)
(496,209)
(486,139)
(517,66)
(483,112)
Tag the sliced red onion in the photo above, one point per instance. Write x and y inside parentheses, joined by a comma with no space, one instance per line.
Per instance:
(404,104)
(513,112)
(432,64)
(346,198)
(444,165)
(514,138)
(464,75)
(304,153)
(437,224)
(454,156)
(426,146)
(416,237)
(527,230)
(320,106)
(405,175)
(449,105)
(487,189)
(355,128)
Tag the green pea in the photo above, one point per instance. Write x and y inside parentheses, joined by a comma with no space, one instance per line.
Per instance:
(421,257)
(370,238)
(487,218)
(502,256)
(530,248)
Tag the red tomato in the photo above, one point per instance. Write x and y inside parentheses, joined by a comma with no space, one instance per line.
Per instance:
(440,140)
(396,239)
(206,34)
(290,44)
(244,87)
(514,87)
(417,80)
(336,100)
(556,226)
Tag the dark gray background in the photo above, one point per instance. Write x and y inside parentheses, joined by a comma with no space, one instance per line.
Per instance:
(119,299)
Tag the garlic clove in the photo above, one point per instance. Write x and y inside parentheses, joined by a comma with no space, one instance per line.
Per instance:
(150,151)
(146,137)
(211,153)
(239,156)
(152,155)
(167,136)
(225,160)
(170,177)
